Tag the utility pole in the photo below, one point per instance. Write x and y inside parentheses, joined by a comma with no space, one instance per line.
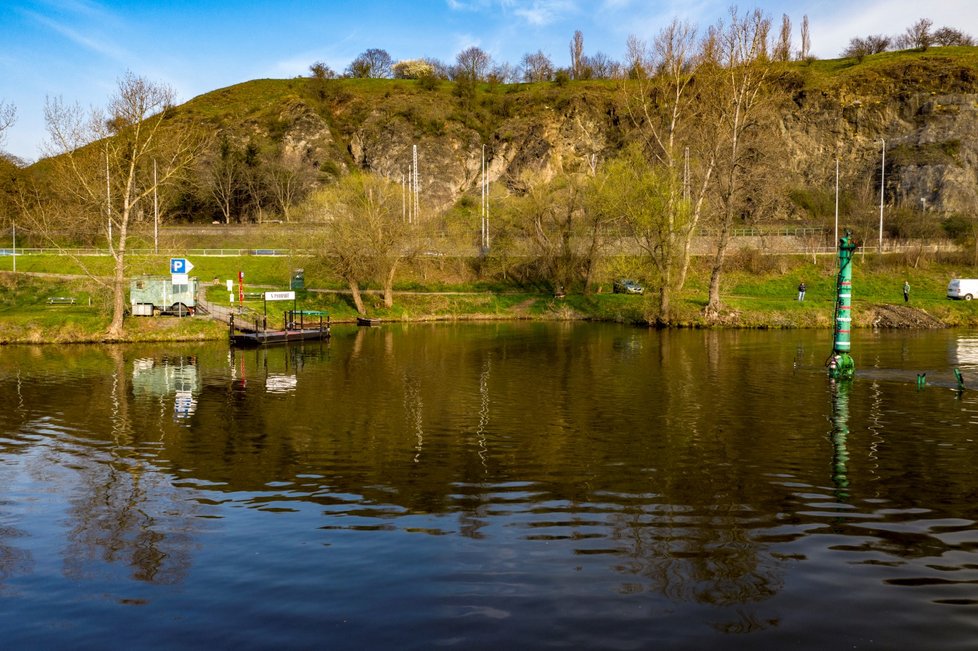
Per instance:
(415,183)
(837,199)
(882,189)
(156,214)
(108,198)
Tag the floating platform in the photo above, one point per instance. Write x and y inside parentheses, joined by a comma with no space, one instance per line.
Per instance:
(258,338)
(296,329)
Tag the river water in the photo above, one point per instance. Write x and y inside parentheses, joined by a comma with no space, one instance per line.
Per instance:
(514,485)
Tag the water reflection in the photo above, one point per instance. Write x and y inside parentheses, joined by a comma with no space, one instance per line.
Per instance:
(552,477)
(161,377)
(840,433)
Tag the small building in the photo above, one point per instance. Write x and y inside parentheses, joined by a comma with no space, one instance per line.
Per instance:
(151,295)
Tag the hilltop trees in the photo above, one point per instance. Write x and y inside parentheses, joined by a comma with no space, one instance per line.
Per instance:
(537,67)
(413,69)
(106,166)
(472,64)
(919,36)
(948,36)
(373,63)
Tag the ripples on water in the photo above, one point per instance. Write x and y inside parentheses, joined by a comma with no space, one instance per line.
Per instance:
(487,486)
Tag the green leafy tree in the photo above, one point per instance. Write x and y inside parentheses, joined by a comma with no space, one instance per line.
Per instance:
(367,236)
(640,193)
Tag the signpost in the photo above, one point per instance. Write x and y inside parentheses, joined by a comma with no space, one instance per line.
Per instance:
(180,271)
(180,266)
(278,296)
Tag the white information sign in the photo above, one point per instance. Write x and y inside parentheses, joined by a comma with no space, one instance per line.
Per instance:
(180,279)
(279,296)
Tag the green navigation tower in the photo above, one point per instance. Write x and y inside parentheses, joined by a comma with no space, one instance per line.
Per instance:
(840,363)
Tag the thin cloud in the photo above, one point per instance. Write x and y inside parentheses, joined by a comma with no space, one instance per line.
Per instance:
(544,12)
(99,46)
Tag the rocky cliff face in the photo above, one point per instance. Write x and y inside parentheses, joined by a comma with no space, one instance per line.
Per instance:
(924,110)
(924,107)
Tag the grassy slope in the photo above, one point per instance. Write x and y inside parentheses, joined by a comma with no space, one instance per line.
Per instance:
(754,297)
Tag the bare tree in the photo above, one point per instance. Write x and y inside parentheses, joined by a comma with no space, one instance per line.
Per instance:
(289,180)
(373,63)
(859,48)
(8,115)
(660,98)
(222,177)
(917,36)
(577,55)
(600,66)
(102,164)
(782,49)
(948,36)
(806,40)
(743,112)
(537,67)
(472,64)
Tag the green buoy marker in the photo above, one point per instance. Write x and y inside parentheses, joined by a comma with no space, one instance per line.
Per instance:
(840,364)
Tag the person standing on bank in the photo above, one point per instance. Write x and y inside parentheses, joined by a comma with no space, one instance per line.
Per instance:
(801,290)
(906,291)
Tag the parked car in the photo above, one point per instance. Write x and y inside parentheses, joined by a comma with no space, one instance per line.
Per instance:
(627,286)
(962,288)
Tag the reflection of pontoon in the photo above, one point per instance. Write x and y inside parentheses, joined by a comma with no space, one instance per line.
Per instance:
(161,377)
(279,383)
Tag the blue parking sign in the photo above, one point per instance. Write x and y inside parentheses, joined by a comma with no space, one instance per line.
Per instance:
(180,266)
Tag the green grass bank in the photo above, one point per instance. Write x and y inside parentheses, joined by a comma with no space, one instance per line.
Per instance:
(759,293)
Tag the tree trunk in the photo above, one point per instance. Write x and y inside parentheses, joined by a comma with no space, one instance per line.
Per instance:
(389,287)
(119,281)
(665,298)
(357,299)
(713,305)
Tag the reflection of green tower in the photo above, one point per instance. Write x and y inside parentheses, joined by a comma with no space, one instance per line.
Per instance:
(840,432)
(841,365)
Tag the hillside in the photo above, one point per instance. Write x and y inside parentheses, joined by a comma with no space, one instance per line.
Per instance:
(923,104)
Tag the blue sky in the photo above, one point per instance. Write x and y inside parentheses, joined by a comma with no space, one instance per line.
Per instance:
(78,49)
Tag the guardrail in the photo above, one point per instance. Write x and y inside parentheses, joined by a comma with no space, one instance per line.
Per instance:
(182,253)
(703,245)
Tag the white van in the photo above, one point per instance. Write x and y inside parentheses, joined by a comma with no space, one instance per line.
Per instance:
(964,288)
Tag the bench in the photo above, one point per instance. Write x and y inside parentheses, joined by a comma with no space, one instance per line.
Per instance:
(61,300)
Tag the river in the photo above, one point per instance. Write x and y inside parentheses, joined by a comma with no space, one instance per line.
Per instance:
(487,486)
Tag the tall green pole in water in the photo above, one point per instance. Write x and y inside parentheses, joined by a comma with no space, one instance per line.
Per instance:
(841,365)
